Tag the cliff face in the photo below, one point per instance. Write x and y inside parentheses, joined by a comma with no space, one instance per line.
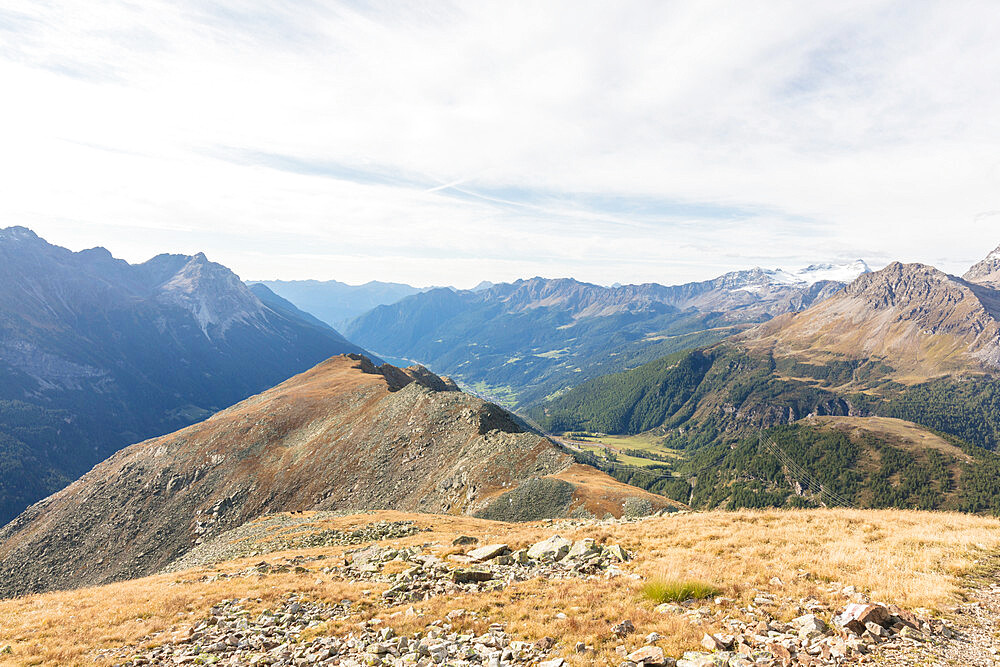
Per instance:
(344,435)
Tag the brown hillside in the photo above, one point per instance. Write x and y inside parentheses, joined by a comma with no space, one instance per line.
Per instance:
(344,435)
(921,322)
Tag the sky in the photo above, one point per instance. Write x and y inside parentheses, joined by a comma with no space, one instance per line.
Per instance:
(437,143)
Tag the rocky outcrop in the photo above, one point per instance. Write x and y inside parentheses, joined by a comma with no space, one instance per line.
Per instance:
(986,272)
(346,435)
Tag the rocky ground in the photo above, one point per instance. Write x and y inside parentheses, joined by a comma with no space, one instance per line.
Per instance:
(275,637)
(281,532)
(974,637)
(230,637)
(858,632)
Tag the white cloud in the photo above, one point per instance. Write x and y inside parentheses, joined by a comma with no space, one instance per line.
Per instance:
(629,141)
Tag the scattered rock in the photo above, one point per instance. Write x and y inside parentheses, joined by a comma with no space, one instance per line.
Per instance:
(624,628)
(229,636)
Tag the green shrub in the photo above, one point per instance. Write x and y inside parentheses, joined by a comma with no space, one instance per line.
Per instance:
(660,591)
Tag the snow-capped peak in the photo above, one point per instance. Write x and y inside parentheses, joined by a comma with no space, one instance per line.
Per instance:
(843,273)
(762,279)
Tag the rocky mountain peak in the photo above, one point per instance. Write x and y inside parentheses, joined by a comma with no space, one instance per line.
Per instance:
(986,272)
(900,284)
(18,233)
(212,293)
(397,378)
(925,322)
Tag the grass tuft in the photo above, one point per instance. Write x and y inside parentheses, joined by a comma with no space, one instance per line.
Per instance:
(660,590)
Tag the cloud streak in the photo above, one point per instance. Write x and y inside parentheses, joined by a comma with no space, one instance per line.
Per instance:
(450,143)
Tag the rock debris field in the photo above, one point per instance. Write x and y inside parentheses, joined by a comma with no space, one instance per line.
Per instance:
(294,633)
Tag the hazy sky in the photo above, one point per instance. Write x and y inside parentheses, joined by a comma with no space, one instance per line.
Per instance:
(439,143)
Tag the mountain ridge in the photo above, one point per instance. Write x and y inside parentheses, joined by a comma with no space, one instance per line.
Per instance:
(535,337)
(344,435)
(96,353)
(908,341)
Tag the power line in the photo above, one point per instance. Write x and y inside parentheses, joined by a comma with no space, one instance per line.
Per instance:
(799,473)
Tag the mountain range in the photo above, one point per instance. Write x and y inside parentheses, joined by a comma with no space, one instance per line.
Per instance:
(96,354)
(908,342)
(338,303)
(524,342)
(777,388)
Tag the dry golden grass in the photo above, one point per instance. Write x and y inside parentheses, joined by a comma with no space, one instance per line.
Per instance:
(915,559)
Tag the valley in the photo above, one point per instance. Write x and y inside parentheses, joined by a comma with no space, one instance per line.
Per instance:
(532,340)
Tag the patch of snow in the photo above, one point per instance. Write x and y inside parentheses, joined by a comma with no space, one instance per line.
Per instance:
(843,273)
(810,275)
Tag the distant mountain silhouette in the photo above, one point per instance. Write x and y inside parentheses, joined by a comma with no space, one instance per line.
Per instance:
(96,354)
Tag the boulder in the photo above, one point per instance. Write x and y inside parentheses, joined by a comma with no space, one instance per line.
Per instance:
(648,655)
(583,548)
(876,630)
(470,576)
(488,552)
(618,553)
(554,548)
(809,624)
(868,613)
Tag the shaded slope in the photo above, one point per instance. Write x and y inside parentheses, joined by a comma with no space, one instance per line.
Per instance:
(344,435)
(96,354)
